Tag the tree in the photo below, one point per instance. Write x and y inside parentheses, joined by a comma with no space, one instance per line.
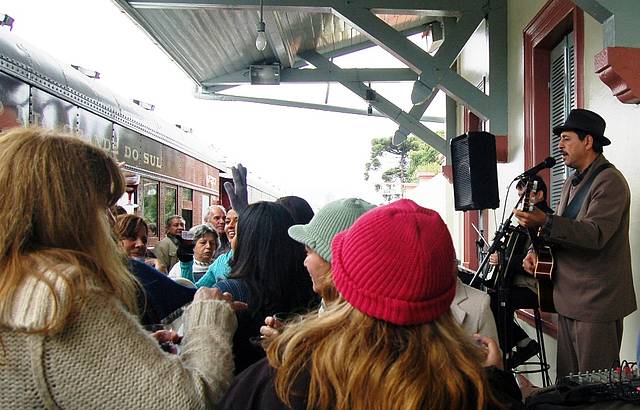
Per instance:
(410,156)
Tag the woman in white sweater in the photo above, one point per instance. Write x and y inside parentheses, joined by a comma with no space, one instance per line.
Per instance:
(68,335)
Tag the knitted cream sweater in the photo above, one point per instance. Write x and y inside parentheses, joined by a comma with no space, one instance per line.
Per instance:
(104,359)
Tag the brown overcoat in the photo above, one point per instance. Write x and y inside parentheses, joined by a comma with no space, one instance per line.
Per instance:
(592,277)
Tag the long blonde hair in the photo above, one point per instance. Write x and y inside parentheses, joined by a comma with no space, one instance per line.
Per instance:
(359,362)
(56,189)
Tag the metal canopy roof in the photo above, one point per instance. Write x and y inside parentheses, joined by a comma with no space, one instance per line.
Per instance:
(209,43)
(213,41)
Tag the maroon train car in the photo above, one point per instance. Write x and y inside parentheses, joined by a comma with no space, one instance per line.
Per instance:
(36,89)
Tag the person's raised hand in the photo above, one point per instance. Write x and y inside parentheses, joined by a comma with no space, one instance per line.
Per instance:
(271,328)
(237,191)
(235,305)
(205,293)
(167,336)
(492,350)
(185,249)
(494,259)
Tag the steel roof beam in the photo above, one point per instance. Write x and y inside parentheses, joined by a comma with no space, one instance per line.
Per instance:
(498,83)
(302,63)
(360,46)
(298,104)
(619,20)
(383,105)
(309,75)
(451,126)
(594,9)
(416,111)
(456,36)
(432,7)
(217,88)
(435,72)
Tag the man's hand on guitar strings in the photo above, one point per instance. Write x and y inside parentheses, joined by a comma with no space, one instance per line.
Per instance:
(531,219)
(529,262)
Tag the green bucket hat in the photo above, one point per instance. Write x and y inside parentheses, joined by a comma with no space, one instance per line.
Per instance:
(331,219)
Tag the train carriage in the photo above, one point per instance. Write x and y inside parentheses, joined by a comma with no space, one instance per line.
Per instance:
(35,89)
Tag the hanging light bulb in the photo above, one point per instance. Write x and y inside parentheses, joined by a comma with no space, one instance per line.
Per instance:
(261,38)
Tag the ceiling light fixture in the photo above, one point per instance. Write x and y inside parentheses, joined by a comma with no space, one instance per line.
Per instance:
(434,35)
(265,74)
(147,106)
(89,73)
(370,98)
(261,38)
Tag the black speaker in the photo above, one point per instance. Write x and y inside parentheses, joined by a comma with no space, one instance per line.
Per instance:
(475,173)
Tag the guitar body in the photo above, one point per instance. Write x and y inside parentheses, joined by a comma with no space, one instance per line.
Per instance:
(544,267)
(542,273)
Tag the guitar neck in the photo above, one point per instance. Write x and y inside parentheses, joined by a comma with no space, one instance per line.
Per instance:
(529,192)
(535,235)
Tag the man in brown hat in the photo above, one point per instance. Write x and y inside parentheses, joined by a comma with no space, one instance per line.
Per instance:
(593,284)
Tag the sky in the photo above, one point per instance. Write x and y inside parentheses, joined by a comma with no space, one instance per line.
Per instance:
(317,155)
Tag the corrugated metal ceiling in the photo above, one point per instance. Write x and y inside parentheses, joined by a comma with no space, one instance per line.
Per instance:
(208,43)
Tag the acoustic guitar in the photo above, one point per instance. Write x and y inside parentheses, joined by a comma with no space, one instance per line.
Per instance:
(544,267)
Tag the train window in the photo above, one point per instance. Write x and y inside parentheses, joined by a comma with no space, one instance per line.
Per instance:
(150,205)
(49,111)
(187,215)
(170,194)
(187,194)
(14,106)
(205,207)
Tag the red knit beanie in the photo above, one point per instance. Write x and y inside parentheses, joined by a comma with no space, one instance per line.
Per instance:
(396,263)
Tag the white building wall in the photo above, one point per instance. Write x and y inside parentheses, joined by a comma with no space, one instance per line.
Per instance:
(623,123)
(437,194)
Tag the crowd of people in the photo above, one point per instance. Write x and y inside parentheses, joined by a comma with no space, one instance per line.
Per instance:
(356,306)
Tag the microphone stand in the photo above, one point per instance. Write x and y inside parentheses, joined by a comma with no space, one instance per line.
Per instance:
(502,291)
(496,243)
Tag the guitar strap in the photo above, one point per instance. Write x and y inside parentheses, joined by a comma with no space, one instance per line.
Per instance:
(572,210)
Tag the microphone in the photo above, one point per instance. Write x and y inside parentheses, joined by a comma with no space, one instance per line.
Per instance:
(547,163)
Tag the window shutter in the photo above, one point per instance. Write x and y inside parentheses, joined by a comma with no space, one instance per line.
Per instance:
(562,89)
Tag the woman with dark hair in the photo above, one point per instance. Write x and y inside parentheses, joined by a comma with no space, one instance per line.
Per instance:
(160,296)
(267,268)
(299,209)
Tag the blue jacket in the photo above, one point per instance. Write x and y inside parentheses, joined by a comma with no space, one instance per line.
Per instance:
(161,296)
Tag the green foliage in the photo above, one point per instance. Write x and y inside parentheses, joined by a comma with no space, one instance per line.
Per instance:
(391,174)
(410,156)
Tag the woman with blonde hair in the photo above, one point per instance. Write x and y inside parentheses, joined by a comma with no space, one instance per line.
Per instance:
(389,340)
(68,337)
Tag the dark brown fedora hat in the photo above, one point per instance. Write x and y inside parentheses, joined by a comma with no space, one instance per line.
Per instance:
(585,121)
